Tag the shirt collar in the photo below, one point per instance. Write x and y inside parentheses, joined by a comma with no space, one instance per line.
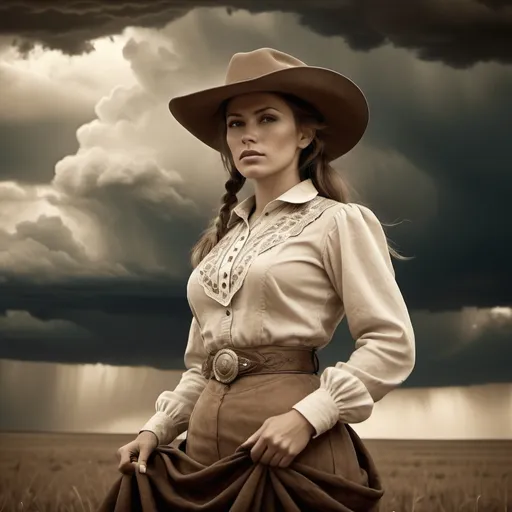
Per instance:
(301,193)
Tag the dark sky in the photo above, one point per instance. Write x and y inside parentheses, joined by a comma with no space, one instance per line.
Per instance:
(96,224)
(459,33)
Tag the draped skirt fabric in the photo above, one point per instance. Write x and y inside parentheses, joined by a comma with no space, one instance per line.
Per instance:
(205,473)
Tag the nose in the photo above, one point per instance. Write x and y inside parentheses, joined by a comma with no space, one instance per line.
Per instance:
(247,138)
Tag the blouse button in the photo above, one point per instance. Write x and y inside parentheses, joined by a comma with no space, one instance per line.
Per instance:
(223,285)
(266,214)
(225,275)
(230,258)
(242,238)
(228,312)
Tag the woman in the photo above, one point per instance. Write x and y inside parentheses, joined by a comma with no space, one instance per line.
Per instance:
(273,277)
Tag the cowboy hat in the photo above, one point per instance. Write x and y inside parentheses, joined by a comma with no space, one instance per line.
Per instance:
(341,103)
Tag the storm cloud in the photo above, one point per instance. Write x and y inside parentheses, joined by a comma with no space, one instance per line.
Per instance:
(459,33)
(146,324)
(94,248)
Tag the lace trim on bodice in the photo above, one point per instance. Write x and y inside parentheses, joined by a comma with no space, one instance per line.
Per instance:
(290,222)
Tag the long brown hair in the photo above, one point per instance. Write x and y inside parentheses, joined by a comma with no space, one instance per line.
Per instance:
(313,164)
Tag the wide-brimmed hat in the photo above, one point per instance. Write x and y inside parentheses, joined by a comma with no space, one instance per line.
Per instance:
(337,98)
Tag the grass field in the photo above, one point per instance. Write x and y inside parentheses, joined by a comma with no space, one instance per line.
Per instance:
(71,473)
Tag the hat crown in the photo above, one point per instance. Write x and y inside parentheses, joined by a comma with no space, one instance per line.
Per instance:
(337,99)
(250,65)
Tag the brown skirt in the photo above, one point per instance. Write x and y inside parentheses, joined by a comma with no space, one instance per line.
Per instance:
(203,473)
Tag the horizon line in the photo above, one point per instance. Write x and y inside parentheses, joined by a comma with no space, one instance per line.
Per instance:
(420,439)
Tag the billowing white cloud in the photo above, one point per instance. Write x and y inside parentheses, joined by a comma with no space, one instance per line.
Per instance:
(50,85)
(135,196)
(10,191)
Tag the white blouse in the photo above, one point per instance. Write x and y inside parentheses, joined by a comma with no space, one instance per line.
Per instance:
(289,278)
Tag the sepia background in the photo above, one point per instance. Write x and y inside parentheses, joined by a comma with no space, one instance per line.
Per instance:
(102,195)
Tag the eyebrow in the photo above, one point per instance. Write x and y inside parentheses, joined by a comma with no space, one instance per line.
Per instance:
(255,112)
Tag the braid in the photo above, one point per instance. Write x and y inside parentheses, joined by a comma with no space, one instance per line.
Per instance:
(229,200)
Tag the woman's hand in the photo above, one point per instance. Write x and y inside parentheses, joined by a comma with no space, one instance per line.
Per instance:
(280,439)
(137,452)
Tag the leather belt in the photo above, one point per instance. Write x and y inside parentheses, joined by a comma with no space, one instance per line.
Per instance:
(228,364)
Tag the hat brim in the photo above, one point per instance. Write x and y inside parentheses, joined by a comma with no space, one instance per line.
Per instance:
(338,99)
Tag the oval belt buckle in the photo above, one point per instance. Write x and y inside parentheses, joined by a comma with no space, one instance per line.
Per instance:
(225,365)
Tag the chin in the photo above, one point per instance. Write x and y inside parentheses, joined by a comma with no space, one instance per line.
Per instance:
(255,172)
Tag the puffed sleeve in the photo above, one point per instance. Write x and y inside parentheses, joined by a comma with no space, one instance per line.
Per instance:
(173,408)
(358,263)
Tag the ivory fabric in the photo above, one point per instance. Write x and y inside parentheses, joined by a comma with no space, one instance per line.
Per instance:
(289,278)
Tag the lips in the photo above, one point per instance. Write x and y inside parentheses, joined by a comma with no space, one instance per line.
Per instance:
(249,152)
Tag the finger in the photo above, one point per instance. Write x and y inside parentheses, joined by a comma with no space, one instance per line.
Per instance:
(268,455)
(124,460)
(258,449)
(286,461)
(251,441)
(247,445)
(127,468)
(123,455)
(276,459)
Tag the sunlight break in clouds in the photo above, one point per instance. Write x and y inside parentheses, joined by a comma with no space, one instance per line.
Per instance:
(501,314)
(24,204)
(50,85)
(474,321)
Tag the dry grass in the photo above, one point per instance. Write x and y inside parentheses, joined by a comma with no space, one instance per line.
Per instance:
(433,476)
(71,473)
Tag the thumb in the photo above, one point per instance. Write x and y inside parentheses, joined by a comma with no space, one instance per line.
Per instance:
(143,459)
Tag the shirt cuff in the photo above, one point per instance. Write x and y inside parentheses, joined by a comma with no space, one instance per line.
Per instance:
(162,426)
(320,410)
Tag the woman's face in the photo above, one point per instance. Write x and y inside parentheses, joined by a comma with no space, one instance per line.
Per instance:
(264,123)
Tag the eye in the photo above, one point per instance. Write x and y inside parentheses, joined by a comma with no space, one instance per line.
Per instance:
(266,118)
